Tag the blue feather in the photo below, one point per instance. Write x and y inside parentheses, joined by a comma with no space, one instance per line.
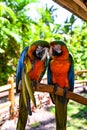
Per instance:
(20,67)
(71,73)
(49,74)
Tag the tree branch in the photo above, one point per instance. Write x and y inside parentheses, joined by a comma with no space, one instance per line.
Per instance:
(70,95)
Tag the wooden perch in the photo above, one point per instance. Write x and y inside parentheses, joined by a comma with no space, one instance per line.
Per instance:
(70,95)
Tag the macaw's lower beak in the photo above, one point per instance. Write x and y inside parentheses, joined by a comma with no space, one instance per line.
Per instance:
(45,53)
(50,52)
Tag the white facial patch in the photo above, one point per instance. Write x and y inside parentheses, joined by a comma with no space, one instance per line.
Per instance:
(39,49)
(57,48)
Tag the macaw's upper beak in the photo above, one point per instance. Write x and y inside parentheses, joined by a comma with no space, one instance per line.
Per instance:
(44,53)
(50,52)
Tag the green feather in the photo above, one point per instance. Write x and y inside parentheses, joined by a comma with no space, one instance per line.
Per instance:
(41,42)
(23,113)
(58,42)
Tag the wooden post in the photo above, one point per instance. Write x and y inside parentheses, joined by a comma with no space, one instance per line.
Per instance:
(11,96)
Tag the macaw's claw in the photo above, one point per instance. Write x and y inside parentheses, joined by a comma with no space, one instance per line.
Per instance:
(55,88)
(35,84)
(64,96)
(29,110)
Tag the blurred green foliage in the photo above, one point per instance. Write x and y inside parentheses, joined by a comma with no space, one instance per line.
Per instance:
(19,30)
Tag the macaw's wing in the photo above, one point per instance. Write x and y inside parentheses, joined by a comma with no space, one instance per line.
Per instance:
(71,73)
(49,80)
(20,67)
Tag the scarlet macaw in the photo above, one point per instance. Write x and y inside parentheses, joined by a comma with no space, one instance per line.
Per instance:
(60,73)
(30,70)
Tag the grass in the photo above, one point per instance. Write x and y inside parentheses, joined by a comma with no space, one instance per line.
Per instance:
(35,124)
(76,115)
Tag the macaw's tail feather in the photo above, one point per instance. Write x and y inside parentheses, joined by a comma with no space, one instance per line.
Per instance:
(60,113)
(25,94)
(24,90)
(23,113)
(28,82)
(29,87)
(27,91)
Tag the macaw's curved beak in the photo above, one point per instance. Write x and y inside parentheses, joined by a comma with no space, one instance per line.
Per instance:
(44,53)
(50,51)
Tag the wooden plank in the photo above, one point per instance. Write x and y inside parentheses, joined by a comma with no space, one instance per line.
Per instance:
(80,81)
(80,71)
(5,87)
(80,3)
(4,111)
(6,104)
(5,93)
(78,8)
(60,91)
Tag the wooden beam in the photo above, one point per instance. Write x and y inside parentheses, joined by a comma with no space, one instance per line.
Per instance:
(6,104)
(77,7)
(81,4)
(80,72)
(5,87)
(70,95)
(80,81)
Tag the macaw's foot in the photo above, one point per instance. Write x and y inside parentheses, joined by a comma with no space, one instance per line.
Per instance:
(64,96)
(35,84)
(55,88)
(29,111)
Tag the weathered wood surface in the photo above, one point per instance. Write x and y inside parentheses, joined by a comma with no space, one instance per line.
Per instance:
(80,72)
(4,111)
(75,6)
(6,104)
(11,96)
(49,89)
(60,91)
(80,81)
(5,87)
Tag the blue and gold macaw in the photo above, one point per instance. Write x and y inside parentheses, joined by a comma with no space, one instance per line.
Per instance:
(30,70)
(60,73)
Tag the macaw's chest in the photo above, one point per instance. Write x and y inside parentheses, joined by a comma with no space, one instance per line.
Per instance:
(37,70)
(60,71)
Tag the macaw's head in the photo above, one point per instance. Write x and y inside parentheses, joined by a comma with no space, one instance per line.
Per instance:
(38,50)
(58,50)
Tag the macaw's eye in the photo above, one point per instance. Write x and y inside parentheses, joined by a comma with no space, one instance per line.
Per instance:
(41,54)
(39,47)
(40,51)
(56,53)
